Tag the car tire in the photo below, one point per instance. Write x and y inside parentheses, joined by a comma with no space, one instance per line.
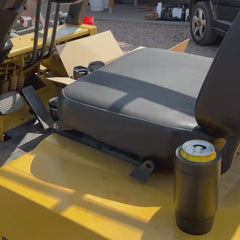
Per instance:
(201,24)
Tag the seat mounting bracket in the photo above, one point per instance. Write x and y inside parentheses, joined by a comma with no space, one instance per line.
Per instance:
(144,171)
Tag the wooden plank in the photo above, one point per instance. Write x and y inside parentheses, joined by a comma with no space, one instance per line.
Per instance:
(181,47)
(111,5)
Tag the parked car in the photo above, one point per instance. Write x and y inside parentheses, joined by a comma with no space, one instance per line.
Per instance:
(211,18)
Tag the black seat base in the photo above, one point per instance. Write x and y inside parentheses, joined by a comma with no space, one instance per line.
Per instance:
(142,103)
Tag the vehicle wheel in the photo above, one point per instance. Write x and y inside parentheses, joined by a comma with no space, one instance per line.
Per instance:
(202,24)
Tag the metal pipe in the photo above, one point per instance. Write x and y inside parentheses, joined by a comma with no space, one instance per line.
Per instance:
(36,32)
(54,31)
(46,28)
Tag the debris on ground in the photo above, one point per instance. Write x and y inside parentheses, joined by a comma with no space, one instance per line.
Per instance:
(153,15)
(131,35)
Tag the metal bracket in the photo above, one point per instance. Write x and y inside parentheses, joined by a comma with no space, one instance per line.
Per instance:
(144,171)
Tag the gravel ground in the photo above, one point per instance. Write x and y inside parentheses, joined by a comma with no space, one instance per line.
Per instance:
(131,35)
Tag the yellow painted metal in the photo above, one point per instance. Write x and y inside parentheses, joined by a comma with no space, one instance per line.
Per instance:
(65,190)
(92,29)
(199,159)
(55,65)
(24,44)
(219,143)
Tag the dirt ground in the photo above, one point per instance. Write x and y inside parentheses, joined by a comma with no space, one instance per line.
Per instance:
(131,35)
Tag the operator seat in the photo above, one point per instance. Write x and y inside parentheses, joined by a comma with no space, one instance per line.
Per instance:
(150,101)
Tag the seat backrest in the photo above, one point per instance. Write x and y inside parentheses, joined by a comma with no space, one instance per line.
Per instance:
(218,105)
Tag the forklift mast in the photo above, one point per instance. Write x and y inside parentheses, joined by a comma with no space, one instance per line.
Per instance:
(76,13)
(12,9)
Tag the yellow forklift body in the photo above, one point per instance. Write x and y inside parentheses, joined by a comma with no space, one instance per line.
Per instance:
(24,44)
(66,190)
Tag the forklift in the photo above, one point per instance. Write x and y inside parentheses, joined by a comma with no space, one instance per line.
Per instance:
(106,155)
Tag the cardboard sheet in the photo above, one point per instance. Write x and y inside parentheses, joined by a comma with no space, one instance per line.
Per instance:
(61,80)
(100,47)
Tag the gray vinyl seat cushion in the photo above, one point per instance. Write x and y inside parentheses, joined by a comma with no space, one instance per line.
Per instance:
(139,101)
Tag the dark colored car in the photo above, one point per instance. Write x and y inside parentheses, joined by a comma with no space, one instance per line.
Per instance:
(212,18)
